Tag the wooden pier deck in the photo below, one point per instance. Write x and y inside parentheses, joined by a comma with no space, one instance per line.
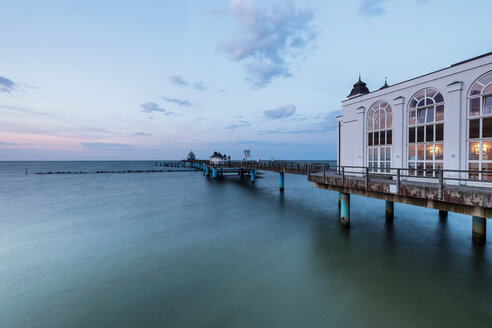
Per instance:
(441,190)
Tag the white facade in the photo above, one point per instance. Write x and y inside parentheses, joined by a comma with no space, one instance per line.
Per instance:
(451,116)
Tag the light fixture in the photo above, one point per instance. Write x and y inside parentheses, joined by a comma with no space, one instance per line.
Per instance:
(431,151)
(476,150)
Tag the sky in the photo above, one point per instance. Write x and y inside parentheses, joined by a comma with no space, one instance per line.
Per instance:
(152,80)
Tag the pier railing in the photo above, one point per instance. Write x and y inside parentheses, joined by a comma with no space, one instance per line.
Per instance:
(424,175)
(293,167)
(370,177)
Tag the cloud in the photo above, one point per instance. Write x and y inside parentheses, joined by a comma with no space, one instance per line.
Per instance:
(24,110)
(106,146)
(6,85)
(326,125)
(150,107)
(267,36)
(329,122)
(280,112)
(178,81)
(142,134)
(178,101)
(262,72)
(199,86)
(3,143)
(238,125)
(371,8)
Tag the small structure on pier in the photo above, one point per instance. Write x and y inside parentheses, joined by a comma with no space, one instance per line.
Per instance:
(246,154)
(218,158)
(191,156)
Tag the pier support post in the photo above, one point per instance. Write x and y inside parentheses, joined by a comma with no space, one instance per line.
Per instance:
(345,209)
(281,181)
(443,214)
(221,172)
(253,176)
(479,229)
(214,173)
(390,210)
(339,200)
(207,173)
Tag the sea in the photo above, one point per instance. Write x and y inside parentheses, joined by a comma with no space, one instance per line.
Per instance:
(178,249)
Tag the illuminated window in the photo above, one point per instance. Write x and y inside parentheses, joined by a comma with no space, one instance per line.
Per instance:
(426,132)
(380,137)
(480,128)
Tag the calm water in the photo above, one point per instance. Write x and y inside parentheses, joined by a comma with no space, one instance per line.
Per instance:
(181,250)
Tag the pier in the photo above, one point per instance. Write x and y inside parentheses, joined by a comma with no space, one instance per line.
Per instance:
(456,191)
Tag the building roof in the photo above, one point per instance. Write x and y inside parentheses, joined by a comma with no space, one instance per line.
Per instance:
(359,88)
(191,155)
(442,69)
(471,59)
(385,84)
(218,155)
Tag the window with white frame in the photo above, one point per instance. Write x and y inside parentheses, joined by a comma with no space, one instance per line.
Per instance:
(380,137)
(426,133)
(480,128)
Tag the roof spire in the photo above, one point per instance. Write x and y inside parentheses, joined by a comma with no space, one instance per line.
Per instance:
(385,83)
(360,88)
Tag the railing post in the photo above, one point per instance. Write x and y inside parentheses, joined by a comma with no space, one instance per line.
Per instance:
(398,181)
(367,178)
(343,175)
(441,184)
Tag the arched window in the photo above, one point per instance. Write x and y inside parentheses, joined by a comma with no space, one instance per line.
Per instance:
(380,137)
(425,132)
(480,127)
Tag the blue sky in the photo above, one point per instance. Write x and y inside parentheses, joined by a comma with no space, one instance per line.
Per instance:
(154,79)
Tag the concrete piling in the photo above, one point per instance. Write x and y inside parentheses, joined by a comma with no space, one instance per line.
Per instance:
(345,209)
(214,173)
(282,181)
(390,210)
(479,229)
(443,214)
(253,176)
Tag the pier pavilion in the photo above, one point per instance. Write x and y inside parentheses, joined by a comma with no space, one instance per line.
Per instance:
(434,127)
(441,120)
